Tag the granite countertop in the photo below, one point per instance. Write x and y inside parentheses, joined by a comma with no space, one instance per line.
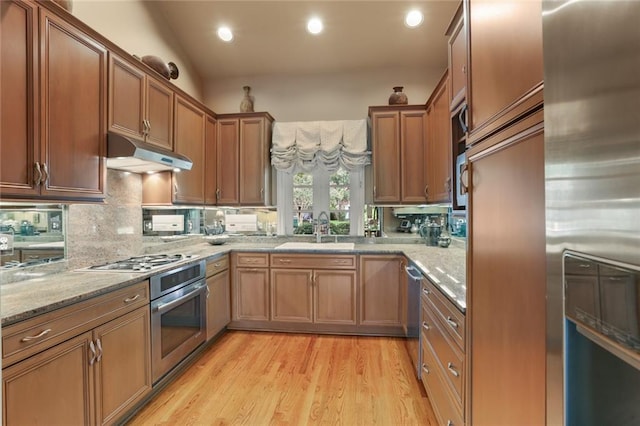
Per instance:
(24,299)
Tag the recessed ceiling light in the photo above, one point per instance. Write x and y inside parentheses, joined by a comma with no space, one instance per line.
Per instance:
(413,18)
(225,34)
(314,26)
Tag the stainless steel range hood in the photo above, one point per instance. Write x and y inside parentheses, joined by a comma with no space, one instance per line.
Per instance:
(132,155)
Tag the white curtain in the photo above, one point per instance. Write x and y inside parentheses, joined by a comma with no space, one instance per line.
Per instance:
(305,145)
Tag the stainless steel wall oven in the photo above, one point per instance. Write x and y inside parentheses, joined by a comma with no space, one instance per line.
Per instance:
(178,315)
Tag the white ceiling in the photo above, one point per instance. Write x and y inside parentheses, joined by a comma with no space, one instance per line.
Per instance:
(271,37)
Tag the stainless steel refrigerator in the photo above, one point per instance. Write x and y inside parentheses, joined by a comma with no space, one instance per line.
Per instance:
(592,190)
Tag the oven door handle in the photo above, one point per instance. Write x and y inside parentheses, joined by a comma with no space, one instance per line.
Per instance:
(167,306)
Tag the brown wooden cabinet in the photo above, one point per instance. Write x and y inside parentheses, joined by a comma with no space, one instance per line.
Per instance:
(219,297)
(139,105)
(250,290)
(457,48)
(210,161)
(399,154)
(439,148)
(84,364)
(292,295)
(335,297)
(506,71)
(380,291)
(506,294)
(189,140)
(243,165)
(55,129)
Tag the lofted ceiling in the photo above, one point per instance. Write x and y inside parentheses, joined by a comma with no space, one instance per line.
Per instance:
(270,37)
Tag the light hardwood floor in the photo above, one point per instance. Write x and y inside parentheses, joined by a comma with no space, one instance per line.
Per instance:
(260,378)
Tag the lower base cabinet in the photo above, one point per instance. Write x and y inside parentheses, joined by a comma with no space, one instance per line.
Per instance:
(219,297)
(381,303)
(91,378)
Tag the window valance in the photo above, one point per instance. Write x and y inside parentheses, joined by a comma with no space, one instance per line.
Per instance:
(305,145)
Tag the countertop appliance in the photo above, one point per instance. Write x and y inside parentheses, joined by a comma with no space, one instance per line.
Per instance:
(412,323)
(178,315)
(592,172)
(405,226)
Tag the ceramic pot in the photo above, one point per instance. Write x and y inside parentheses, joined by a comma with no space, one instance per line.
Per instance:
(398,97)
(167,70)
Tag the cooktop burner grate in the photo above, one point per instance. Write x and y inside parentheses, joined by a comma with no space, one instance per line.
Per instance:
(140,263)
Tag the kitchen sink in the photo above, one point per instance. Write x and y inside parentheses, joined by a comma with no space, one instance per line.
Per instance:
(316,246)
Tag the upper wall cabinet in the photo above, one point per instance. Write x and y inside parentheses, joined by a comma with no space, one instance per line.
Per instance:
(139,105)
(189,141)
(506,72)
(439,147)
(457,59)
(399,154)
(54,131)
(243,166)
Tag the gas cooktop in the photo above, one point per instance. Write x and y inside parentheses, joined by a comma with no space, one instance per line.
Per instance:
(140,263)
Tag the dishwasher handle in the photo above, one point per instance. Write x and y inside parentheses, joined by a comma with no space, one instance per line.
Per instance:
(408,270)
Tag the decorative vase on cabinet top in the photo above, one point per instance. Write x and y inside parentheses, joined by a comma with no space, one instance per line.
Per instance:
(398,97)
(246,105)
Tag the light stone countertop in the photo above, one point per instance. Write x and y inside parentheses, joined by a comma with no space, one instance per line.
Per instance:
(21,300)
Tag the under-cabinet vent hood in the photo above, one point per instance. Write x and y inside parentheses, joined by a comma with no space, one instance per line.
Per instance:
(132,155)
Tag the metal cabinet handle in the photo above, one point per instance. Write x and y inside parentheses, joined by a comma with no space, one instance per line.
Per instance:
(285,260)
(452,370)
(426,291)
(208,291)
(374,191)
(38,178)
(218,192)
(261,192)
(99,344)
(462,118)
(425,368)
(37,336)
(216,265)
(148,126)
(175,188)
(449,423)
(426,192)
(452,323)
(92,347)
(425,325)
(132,299)
(447,184)
(45,173)
(464,179)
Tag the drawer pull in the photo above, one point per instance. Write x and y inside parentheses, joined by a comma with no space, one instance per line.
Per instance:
(132,299)
(425,368)
(452,370)
(425,325)
(426,291)
(452,323)
(42,334)
(216,265)
(285,260)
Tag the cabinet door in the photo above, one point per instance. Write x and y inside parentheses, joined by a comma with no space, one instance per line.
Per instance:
(254,164)
(126,98)
(228,162)
(439,146)
(73,99)
(334,297)
(123,368)
(159,114)
(506,301)
(18,98)
(386,156)
(189,141)
(380,290)
(291,295)
(218,303)
(52,387)
(210,161)
(413,133)
(506,71)
(458,63)
(251,294)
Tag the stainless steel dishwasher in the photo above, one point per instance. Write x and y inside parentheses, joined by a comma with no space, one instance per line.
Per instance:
(412,329)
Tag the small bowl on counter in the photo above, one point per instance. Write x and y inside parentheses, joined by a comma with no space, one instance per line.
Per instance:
(216,240)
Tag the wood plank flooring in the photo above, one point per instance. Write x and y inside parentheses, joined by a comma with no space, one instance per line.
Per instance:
(260,378)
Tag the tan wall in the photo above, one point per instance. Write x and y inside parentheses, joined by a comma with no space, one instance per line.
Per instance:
(139,30)
(344,96)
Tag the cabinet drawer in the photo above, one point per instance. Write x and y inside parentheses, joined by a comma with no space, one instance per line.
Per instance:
(450,360)
(440,396)
(36,334)
(217,265)
(452,319)
(260,260)
(313,261)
